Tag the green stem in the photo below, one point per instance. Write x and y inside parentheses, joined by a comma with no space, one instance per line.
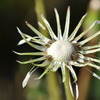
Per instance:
(52,78)
(67,84)
(53,86)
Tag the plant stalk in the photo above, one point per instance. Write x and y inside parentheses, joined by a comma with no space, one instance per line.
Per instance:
(52,78)
(67,84)
(53,86)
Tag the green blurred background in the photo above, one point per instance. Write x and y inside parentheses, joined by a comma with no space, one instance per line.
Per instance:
(14,13)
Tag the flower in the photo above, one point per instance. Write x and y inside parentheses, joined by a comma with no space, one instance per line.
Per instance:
(61,51)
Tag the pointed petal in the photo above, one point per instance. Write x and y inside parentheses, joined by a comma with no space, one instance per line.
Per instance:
(67,23)
(95,75)
(23,41)
(92,59)
(36,40)
(89,59)
(86,31)
(86,64)
(77,91)
(37,32)
(63,72)
(71,88)
(45,63)
(90,51)
(71,37)
(91,47)
(94,66)
(29,53)
(80,65)
(90,38)
(25,81)
(72,72)
(53,36)
(58,24)
(29,43)
(45,72)
(32,61)
(41,25)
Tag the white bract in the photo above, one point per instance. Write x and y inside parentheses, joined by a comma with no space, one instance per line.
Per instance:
(61,51)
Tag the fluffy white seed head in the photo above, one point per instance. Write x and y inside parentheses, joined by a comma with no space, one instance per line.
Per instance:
(60,50)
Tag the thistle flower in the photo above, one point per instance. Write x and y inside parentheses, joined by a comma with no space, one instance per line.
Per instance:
(61,51)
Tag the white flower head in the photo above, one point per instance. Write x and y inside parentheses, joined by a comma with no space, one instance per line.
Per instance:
(61,51)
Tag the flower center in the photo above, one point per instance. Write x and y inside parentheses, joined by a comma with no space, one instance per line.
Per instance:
(61,50)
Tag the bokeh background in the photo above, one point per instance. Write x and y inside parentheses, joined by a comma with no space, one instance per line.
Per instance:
(14,13)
